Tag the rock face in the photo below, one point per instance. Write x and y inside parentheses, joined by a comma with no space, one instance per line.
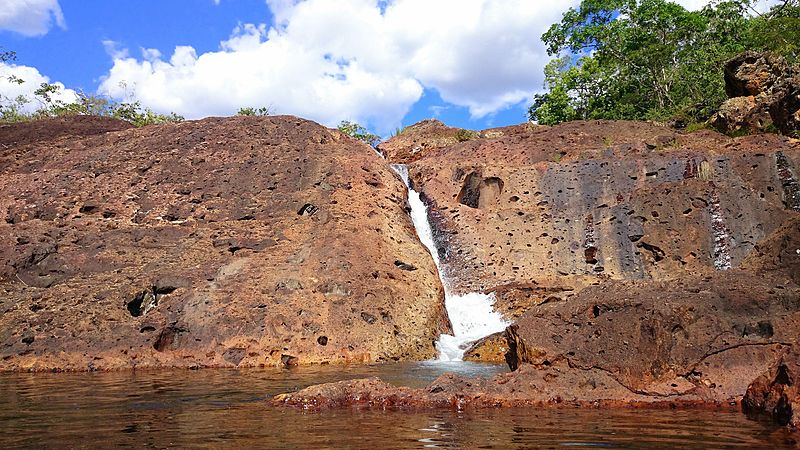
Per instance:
(764,92)
(537,216)
(710,334)
(54,128)
(414,141)
(694,341)
(492,348)
(641,266)
(224,242)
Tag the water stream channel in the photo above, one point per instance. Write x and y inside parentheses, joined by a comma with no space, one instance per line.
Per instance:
(472,315)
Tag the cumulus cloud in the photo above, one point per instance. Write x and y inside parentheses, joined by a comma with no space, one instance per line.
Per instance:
(364,60)
(10,90)
(30,17)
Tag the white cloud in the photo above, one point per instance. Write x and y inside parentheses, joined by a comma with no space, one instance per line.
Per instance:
(364,60)
(30,17)
(10,90)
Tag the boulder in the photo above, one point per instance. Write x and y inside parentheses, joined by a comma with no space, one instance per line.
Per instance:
(753,73)
(785,111)
(742,113)
(775,393)
(764,94)
(709,335)
(231,242)
(490,349)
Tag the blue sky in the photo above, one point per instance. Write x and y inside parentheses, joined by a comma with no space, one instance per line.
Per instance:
(472,63)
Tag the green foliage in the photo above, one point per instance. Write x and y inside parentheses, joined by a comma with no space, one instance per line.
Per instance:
(359,132)
(250,111)
(7,55)
(778,31)
(652,59)
(463,135)
(697,126)
(88,105)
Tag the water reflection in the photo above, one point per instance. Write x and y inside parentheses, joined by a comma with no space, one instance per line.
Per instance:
(227,408)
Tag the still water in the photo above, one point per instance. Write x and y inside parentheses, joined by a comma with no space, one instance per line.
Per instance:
(229,409)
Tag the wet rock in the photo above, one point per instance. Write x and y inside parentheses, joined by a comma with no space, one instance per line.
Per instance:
(623,344)
(555,387)
(492,348)
(205,251)
(234,355)
(775,393)
(289,360)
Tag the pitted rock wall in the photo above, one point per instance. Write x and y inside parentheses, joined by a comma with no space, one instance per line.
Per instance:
(569,206)
(223,242)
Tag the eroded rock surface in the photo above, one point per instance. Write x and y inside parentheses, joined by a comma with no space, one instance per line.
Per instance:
(223,242)
(775,393)
(58,127)
(697,342)
(536,216)
(713,334)
(641,266)
(764,95)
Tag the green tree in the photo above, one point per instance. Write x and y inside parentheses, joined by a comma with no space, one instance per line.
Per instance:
(778,30)
(651,59)
(359,132)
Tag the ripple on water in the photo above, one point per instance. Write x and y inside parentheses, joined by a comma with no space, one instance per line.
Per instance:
(228,408)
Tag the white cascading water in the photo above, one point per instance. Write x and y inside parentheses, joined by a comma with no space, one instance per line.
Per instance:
(472,315)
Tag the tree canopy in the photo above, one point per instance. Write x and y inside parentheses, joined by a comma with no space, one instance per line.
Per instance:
(653,59)
(359,132)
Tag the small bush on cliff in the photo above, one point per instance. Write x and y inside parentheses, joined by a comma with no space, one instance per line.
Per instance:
(653,59)
(359,132)
(463,135)
(250,111)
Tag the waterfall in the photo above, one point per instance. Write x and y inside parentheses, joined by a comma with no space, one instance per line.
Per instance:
(472,315)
